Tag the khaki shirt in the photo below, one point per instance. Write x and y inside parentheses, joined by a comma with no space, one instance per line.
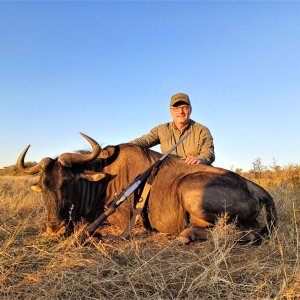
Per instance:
(198,144)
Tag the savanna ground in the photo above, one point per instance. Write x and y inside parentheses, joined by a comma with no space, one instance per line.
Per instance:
(150,266)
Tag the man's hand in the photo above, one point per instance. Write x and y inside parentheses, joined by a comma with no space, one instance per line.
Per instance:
(192,160)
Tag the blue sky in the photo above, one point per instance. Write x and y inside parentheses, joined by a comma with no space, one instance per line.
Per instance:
(108,69)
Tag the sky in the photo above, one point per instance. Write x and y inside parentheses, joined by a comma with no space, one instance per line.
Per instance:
(109,68)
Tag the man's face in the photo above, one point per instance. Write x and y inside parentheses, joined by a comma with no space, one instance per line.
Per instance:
(181,113)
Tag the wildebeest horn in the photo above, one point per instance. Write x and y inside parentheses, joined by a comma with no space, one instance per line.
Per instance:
(67,159)
(34,169)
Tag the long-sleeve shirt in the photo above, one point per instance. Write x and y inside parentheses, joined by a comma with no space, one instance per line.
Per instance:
(198,144)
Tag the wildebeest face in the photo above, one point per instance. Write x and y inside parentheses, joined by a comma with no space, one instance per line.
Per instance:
(61,188)
(60,184)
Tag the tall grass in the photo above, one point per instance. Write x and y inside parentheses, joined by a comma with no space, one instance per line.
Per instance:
(151,266)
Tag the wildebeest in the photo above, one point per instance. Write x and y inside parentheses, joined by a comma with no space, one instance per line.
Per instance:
(184,199)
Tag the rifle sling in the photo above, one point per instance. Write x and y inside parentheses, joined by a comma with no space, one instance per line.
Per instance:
(140,204)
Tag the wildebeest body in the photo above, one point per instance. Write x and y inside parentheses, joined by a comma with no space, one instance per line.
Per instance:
(181,195)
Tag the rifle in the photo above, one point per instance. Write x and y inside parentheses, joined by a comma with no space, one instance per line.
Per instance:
(90,229)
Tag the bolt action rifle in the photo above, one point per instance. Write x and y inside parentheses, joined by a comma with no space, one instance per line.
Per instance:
(90,229)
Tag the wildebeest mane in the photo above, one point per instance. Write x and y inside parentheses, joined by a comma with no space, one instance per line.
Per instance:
(83,151)
(147,153)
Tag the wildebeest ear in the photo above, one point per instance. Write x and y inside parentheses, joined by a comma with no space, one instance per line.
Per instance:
(92,176)
(36,187)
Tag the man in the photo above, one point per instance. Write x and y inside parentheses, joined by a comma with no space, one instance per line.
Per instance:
(197,148)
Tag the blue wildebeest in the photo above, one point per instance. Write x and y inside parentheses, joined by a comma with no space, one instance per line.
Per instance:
(184,199)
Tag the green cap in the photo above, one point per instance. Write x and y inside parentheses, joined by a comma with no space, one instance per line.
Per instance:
(180,97)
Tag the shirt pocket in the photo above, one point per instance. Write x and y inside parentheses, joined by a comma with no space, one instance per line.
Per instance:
(195,149)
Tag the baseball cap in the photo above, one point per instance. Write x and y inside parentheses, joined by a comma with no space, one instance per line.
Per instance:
(180,97)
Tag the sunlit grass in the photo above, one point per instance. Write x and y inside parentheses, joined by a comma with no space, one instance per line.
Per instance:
(151,266)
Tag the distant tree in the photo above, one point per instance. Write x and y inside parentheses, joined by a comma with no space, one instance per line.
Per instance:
(275,167)
(258,168)
(238,171)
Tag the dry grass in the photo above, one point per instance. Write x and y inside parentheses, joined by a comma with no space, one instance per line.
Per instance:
(151,266)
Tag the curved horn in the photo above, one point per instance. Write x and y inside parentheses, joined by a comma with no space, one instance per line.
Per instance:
(34,169)
(67,159)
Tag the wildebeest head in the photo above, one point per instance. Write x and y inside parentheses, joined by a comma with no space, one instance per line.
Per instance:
(60,184)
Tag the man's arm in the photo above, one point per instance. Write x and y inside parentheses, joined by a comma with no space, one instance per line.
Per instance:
(148,140)
(207,152)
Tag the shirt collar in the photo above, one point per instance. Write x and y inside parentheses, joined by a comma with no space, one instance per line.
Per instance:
(187,126)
